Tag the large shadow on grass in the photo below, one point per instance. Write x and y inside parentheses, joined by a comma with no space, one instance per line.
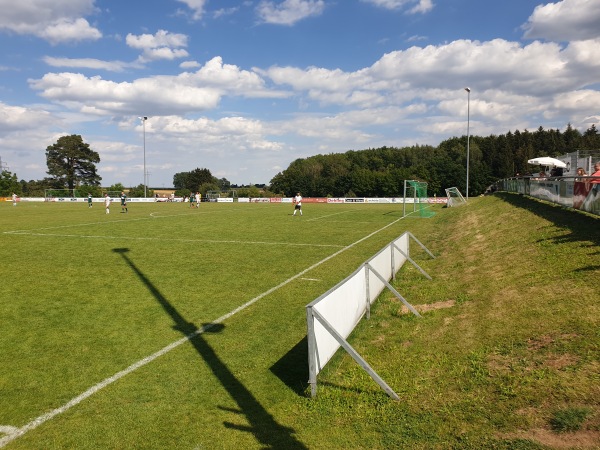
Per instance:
(262,424)
(292,368)
(579,227)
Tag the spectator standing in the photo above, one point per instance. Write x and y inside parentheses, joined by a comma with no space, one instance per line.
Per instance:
(14,199)
(596,173)
(581,173)
(89,200)
(596,181)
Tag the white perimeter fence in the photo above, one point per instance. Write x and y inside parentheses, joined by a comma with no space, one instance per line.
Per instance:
(332,317)
(581,193)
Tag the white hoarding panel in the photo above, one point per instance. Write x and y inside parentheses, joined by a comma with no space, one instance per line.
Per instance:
(400,249)
(382,264)
(343,308)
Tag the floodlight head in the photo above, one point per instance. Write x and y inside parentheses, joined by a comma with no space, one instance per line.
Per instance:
(143,118)
(468,89)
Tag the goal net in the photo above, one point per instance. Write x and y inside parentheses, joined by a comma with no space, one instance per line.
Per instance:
(60,193)
(455,198)
(415,192)
(113,194)
(213,195)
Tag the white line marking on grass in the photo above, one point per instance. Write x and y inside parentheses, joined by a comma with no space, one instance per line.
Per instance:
(18,432)
(7,429)
(74,225)
(141,238)
(329,215)
(102,222)
(351,222)
(310,279)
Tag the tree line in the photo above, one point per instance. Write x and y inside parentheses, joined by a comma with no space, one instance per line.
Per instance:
(373,172)
(380,172)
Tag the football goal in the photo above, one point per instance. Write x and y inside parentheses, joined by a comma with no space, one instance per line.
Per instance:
(415,192)
(113,194)
(50,194)
(455,198)
(212,196)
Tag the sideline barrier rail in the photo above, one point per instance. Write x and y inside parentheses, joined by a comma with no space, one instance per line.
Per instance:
(582,193)
(332,317)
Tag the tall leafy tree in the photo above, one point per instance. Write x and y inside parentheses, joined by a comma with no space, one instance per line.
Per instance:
(139,191)
(591,138)
(72,162)
(9,184)
(196,178)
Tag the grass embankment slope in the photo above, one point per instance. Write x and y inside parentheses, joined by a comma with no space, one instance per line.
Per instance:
(511,357)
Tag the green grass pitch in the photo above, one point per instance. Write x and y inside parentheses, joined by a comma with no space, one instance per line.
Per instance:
(86,294)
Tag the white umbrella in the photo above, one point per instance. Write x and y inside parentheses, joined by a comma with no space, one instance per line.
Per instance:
(547,161)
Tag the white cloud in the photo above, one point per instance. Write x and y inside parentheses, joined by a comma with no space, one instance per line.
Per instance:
(225,12)
(95,95)
(67,30)
(494,64)
(538,69)
(189,64)
(416,38)
(56,21)
(583,100)
(566,20)
(422,6)
(17,118)
(162,45)
(583,55)
(317,78)
(88,63)
(221,133)
(508,81)
(162,38)
(162,94)
(289,12)
(197,6)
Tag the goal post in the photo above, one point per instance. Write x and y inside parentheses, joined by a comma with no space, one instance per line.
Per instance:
(455,198)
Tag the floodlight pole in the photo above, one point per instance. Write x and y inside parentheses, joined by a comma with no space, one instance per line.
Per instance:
(143,119)
(468,135)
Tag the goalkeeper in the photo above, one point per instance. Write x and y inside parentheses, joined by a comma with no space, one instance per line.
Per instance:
(123,202)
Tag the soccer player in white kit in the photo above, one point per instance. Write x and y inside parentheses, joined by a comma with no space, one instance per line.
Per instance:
(107,201)
(298,203)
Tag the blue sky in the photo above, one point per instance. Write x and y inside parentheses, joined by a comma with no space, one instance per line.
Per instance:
(244,88)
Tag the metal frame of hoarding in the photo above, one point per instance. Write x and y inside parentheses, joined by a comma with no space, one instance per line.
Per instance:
(312,315)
